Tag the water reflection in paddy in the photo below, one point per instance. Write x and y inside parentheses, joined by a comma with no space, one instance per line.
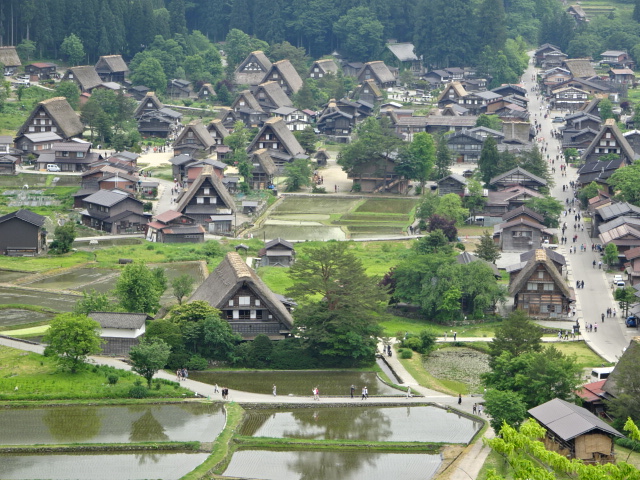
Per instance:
(297,382)
(375,424)
(345,465)
(111,424)
(168,466)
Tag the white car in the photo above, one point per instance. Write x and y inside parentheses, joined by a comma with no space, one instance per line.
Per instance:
(617,278)
(620,284)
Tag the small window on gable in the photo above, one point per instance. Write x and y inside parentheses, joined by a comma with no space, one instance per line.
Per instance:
(231,303)
(257,302)
(207,191)
(244,301)
(540,274)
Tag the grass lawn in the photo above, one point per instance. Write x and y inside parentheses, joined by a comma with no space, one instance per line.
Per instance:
(586,357)
(394,324)
(38,378)
(496,462)
(27,332)
(414,366)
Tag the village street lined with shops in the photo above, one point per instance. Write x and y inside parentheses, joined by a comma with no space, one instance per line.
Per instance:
(612,337)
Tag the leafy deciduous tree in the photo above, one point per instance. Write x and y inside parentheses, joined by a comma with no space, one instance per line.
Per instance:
(148,357)
(139,289)
(73,49)
(182,286)
(72,338)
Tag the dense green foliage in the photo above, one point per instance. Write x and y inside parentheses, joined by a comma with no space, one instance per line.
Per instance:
(149,356)
(445,290)
(139,288)
(337,318)
(71,338)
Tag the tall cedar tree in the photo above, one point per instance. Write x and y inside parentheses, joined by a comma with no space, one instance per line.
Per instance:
(489,160)
(516,335)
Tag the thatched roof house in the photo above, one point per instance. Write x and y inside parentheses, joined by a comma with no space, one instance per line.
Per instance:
(62,119)
(111,68)
(539,288)
(84,76)
(10,59)
(285,75)
(244,299)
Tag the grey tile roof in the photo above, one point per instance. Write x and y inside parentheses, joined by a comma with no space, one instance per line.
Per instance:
(25,215)
(107,198)
(119,320)
(569,421)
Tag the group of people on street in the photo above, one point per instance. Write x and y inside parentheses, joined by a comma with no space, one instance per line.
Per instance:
(182,374)
(477,408)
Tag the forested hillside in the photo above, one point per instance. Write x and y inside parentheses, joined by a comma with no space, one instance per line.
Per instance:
(447,32)
(487,33)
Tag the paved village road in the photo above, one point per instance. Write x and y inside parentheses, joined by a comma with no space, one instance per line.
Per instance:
(612,337)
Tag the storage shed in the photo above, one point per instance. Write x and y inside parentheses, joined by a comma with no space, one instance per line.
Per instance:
(574,432)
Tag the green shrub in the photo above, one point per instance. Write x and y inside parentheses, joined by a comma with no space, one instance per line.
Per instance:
(628,443)
(356,187)
(113,379)
(138,391)
(406,354)
(211,248)
(414,343)
(197,363)
(317,189)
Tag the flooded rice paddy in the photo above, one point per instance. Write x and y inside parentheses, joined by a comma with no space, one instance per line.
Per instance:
(100,279)
(111,424)
(373,424)
(18,316)
(57,301)
(326,465)
(129,466)
(336,218)
(7,276)
(79,280)
(297,382)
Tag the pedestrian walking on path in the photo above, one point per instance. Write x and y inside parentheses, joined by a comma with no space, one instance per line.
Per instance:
(274,390)
(459,399)
(408,392)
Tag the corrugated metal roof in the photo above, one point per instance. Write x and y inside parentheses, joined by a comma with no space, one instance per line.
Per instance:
(569,421)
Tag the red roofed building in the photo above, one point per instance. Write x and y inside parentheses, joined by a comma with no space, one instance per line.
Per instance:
(174,227)
(592,396)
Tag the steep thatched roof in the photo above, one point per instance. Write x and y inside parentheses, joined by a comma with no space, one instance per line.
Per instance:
(85,76)
(326,65)
(206,174)
(143,106)
(380,71)
(540,258)
(249,100)
(111,64)
(628,155)
(199,131)
(229,276)
(282,133)
(60,112)
(9,57)
(217,126)
(580,67)
(264,160)
(285,72)
(275,93)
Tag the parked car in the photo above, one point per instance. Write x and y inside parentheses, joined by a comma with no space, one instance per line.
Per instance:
(617,278)
(558,119)
(52,167)
(632,321)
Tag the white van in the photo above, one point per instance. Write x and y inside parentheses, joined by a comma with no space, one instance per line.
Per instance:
(601,373)
(52,167)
